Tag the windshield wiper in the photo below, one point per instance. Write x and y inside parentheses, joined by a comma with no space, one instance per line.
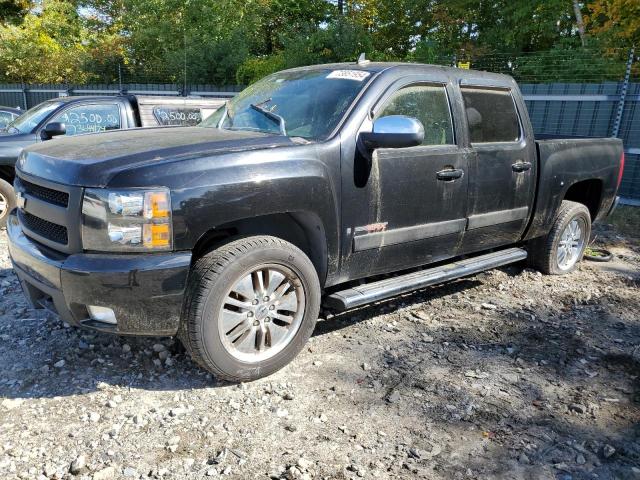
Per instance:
(270,115)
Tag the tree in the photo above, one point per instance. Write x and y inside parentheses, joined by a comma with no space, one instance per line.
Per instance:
(616,23)
(12,11)
(49,47)
(579,21)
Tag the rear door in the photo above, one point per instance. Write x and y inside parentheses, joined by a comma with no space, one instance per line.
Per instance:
(501,173)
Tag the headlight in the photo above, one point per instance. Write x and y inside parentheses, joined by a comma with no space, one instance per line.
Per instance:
(126,220)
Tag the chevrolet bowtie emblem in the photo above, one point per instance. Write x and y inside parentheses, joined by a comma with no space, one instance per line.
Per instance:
(21,202)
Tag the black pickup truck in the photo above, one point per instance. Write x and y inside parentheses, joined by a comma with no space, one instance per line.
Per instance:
(89,114)
(330,186)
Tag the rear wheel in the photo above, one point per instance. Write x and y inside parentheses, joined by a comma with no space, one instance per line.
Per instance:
(563,247)
(251,306)
(7,201)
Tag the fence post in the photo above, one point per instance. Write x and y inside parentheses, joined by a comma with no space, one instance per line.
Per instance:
(24,97)
(120,79)
(623,94)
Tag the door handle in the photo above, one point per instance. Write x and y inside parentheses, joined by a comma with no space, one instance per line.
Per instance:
(449,174)
(519,167)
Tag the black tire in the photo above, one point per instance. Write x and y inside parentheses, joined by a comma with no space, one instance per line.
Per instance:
(605,256)
(7,195)
(543,251)
(211,278)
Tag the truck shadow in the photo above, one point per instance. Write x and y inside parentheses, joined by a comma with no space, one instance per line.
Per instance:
(49,351)
(344,320)
(545,392)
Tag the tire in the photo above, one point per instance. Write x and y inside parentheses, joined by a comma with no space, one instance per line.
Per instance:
(221,292)
(545,252)
(7,202)
(606,256)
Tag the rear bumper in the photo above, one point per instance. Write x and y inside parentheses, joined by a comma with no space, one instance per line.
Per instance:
(144,291)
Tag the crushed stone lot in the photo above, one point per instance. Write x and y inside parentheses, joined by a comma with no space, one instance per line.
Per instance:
(508,374)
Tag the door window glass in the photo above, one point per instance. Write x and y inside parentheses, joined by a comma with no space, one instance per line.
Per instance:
(90,118)
(430,105)
(5,118)
(491,115)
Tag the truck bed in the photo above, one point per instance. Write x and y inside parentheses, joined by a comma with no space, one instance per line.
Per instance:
(572,168)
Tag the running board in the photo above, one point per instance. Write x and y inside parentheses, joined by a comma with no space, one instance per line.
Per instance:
(391,287)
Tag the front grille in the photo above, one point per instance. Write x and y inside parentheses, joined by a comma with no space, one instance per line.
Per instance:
(44,228)
(46,194)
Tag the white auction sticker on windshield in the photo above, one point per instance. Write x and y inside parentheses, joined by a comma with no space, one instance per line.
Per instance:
(357,75)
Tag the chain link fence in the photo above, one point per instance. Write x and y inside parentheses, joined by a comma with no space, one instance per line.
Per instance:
(580,92)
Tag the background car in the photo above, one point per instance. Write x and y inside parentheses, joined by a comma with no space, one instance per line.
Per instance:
(8,115)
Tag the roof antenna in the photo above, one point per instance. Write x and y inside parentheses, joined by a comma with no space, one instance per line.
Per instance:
(362,60)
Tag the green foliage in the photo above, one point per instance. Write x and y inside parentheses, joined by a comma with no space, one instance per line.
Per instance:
(12,11)
(568,64)
(255,68)
(341,41)
(45,48)
(222,42)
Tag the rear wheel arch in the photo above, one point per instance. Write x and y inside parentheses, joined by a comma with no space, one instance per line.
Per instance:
(588,193)
(303,229)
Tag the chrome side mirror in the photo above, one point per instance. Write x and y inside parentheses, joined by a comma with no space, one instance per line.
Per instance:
(394,131)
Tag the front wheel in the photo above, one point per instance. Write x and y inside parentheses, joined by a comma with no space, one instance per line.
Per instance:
(251,306)
(562,249)
(7,201)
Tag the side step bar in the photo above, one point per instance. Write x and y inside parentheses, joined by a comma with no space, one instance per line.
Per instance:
(390,287)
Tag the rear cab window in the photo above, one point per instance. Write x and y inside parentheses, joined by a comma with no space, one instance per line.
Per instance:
(168,115)
(491,115)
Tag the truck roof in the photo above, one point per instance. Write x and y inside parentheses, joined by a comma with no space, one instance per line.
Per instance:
(377,67)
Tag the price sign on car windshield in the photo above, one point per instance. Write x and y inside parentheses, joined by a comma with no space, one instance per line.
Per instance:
(177,116)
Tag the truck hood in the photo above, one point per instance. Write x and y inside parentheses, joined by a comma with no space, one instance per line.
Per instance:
(91,160)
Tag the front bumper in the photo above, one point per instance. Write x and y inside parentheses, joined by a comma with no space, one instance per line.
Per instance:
(144,291)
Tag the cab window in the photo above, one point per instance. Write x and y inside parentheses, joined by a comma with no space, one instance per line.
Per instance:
(491,115)
(90,118)
(430,105)
(6,118)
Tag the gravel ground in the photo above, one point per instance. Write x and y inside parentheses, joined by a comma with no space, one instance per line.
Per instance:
(506,375)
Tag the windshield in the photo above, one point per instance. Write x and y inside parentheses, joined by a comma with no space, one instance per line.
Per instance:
(30,119)
(303,103)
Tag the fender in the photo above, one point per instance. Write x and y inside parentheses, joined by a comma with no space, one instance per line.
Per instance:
(217,190)
(563,165)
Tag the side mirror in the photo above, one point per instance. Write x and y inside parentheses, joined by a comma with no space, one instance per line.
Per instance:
(394,131)
(53,129)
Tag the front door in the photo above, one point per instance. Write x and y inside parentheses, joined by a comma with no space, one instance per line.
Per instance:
(408,205)
(502,172)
